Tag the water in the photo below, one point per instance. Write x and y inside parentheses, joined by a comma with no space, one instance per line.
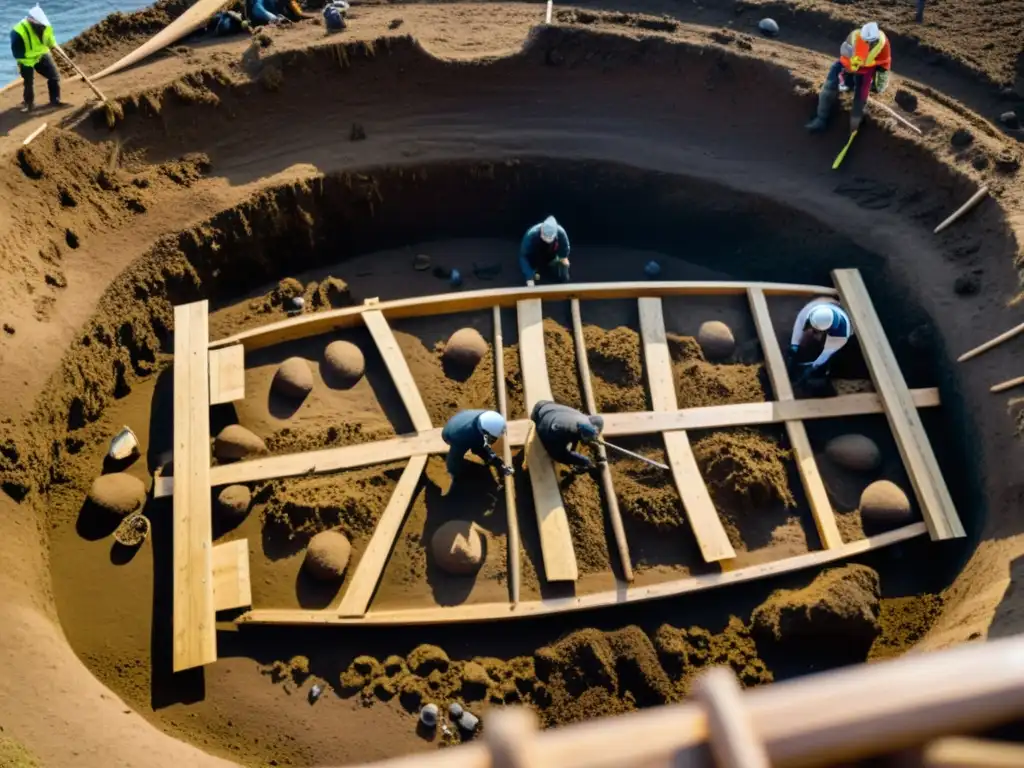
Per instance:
(68,17)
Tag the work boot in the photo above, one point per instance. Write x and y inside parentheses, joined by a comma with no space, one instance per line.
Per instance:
(826,100)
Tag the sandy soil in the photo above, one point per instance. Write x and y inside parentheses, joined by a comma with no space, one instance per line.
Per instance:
(213,176)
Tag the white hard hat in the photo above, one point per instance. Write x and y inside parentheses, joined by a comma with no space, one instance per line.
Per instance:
(492,423)
(36,14)
(549,229)
(821,317)
(870,32)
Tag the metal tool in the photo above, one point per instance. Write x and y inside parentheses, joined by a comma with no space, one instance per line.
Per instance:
(644,459)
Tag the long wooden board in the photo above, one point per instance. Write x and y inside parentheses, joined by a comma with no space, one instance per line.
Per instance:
(195,637)
(227,374)
(478,612)
(364,581)
(512,516)
(232,587)
(398,368)
(314,324)
(814,486)
(615,424)
(915,449)
(552,522)
(611,500)
(700,511)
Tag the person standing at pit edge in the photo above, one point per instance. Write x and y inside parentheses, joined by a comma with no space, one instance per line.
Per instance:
(31,41)
(544,252)
(865,59)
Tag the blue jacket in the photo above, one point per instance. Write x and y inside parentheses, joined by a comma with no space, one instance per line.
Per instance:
(462,433)
(558,427)
(535,255)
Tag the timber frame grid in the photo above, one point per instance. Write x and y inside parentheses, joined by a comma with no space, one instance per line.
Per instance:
(213,372)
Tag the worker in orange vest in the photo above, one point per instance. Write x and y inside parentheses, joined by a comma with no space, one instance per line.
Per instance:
(865,59)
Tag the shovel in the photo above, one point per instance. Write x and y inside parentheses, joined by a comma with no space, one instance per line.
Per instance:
(842,153)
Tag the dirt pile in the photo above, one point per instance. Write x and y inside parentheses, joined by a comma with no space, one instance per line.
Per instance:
(744,468)
(616,367)
(443,395)
(700,383)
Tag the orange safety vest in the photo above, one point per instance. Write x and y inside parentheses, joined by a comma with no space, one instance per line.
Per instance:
(866,55)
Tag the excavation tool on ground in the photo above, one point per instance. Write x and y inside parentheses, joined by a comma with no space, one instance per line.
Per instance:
(644,459)
(81,74)
(842,153)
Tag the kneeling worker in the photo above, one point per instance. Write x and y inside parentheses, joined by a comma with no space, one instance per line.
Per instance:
(821,329)
(544,252)
(561,428)
(473,430)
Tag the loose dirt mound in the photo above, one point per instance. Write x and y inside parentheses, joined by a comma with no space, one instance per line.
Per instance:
(744,465)
(700,383)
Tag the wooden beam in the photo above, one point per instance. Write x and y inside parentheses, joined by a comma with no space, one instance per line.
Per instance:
(315,324)
(915,449)
(552,522)
(615,425)
(611,500)
(232,587)
(195,636)
(700,511)
(965,752)
(814,486)
(480,612)
(398,368)
(512,516)
(363,583)
(227,374)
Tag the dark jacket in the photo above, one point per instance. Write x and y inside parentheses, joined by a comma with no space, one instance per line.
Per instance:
(558,427)
(536,256)
(462,433)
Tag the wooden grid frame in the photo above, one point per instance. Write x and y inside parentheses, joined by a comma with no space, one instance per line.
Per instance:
(353,606)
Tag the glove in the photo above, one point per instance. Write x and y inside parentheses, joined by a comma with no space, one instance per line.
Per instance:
(529,283)
(881,81)
(507,471)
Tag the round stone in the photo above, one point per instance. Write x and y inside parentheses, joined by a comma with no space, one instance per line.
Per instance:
(133,530)
(466,348)
(716,339)
(234,501)
(237,442)
(769,27)
(293,379)
(327,556)
(884,502)
(118,493)
(458,548)
(455,710)
(344,361)
(652,269)
(429,715)
(1010,120)
(855,452)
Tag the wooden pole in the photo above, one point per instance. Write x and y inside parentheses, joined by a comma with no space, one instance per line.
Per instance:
(975,199)
(1009,384)
(893,113)
(957,752)
(514,571)
(547,14)
(81,74)
(734,743)
(1005,336)
(34,134)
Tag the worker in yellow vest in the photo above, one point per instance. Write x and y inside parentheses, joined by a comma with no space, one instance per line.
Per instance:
(31,41)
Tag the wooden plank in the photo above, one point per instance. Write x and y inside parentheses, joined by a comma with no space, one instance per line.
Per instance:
(478,612)
(317,323)
(611,500)
(915,449)
(227,374)
(195,637)
(814,486)
(363,583)
(511,514)
(231,585)
(615,424)
(398,368)
(552,522)
(700,511)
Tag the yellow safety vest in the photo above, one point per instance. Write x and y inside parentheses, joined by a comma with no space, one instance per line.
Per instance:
(35,48)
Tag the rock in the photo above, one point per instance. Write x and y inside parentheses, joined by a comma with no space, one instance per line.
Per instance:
(465,349)
(1010,120)
(961,138)
(133,530)
(344,362)
(455,278)
(768,27)
(458,548)
(327,556)
(293,379)
(855,452)
(967,285)
(124,445)
(839,611)
(233,502)
(424,659)
(118,493)
(421,262)
(237,442)
(468,722)
(652,269)
(428,715)
(1007,161)
(906,100)
(295,304)
(716,339)
(455,710)
(288,288)
(884,502)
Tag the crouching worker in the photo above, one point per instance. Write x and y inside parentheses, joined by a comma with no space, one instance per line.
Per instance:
(820,331)
(561,428)
(473,430)
(544,253)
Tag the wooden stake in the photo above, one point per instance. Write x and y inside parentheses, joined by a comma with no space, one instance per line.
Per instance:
(975,199)
(514,578)
(1009,384)
(547,15)
(957,752)
(1006,336)
(734,742)
(34,134)
(81,74)
(899,117)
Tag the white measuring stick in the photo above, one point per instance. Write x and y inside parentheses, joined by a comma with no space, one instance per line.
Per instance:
(547,17)
(652,462)
(903,120)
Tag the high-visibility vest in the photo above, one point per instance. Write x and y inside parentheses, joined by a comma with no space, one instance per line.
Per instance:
(35,48)
(865,54)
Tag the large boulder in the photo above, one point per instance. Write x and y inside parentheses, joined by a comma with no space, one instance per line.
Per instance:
(885,503)
(233,502)
(716,340)
(327,556)
(838,612)
(237,442)
(293,379)
(118,494)
(458,548)
(855,452)
(465,349)
(344,362)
